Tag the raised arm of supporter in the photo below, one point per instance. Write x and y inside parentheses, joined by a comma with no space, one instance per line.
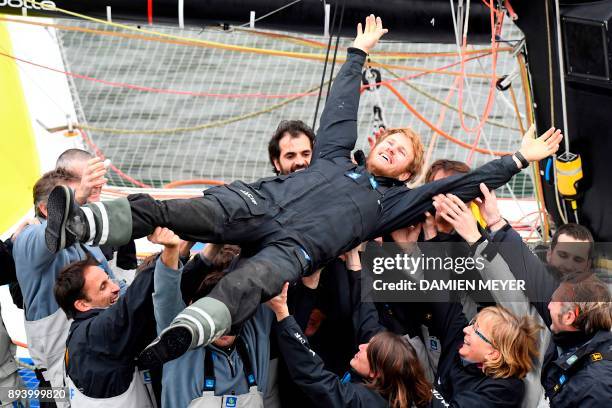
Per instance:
(302,298)
(92,181)
(185,250)
(406,206)
(540,283)
(366,322)
(460,216)
(306,368)
(337,132)
(196,268)
(509,253)
(167,299)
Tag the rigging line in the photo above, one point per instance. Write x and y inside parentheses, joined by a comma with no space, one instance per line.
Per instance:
(209,125)
(313,57)
(387,54)
(487,144)
(536,179)
(212,44)
(490,99)
(40,88)
(191,93)
(316,112)
(562,78)
(551,86)
(270,13)
(428,95)
(100,154)
(153,89)
(186,41)
(331,71)
(436,129)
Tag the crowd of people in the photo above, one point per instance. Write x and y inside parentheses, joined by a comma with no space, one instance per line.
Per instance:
(275,310)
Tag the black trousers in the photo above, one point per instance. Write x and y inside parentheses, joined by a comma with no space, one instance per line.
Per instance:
(256,278)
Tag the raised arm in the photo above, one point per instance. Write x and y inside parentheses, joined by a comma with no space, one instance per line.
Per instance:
(366,322)
(306,368)
(405,206)
(505,258)
(337,133)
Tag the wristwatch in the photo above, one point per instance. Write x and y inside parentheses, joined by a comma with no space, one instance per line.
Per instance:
(522,159)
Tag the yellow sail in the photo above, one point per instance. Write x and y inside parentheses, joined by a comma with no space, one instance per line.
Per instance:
(19,161)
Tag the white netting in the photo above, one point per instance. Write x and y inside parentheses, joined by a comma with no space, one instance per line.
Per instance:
(226,138)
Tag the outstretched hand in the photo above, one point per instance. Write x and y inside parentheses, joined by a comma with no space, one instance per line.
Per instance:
(534,149)
(489,209)
(92,181)
(368,37)
(459,215)
(171,242)
(278,304)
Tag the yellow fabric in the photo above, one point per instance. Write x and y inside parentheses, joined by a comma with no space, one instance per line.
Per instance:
(19,164)
(478,215)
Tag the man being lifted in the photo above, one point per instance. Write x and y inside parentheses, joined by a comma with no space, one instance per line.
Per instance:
(288,226)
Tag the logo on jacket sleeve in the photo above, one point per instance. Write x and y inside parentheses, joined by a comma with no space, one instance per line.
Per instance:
(250,196)
(231,402)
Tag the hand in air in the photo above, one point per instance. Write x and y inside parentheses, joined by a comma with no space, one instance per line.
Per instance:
(165,237)
(92,181)
(489,209)
(368,37)
(459,215)
(278,304)
(375,136)
(534,149)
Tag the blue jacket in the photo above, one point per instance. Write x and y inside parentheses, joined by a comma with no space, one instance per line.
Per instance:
(37,269)
(183,378)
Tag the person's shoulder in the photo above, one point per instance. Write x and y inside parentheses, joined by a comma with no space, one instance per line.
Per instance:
(367,397)
(28,233)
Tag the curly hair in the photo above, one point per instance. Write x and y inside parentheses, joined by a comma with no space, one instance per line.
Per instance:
(516,339)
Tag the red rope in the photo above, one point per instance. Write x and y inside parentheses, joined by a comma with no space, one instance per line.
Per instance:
(214,95)
(112,166)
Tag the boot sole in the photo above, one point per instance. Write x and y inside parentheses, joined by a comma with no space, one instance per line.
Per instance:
(58,207)
(171,344)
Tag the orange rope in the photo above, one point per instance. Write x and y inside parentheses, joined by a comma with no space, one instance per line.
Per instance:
(435,128)
(496,26)
(19,344)
(313,57)
(180,183)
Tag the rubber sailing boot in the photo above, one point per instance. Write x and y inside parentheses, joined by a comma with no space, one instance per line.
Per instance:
(198,325)
(98,223)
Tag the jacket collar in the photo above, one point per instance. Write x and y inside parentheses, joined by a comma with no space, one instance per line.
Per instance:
(81,316)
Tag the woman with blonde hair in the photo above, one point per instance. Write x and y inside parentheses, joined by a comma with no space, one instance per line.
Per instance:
(483,362)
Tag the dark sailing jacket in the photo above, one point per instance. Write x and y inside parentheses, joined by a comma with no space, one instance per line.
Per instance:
(335,204)
(459,384)
(103,343)
(323,387)
(581,378)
